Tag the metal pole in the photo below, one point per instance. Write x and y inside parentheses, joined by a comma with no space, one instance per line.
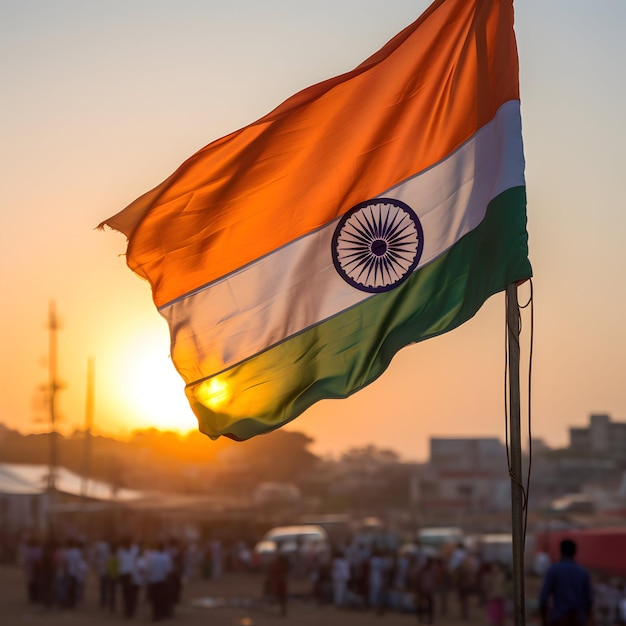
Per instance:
(53,387)
(517,493)
(89,406)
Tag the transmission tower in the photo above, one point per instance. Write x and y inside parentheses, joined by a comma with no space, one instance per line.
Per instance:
(53,389)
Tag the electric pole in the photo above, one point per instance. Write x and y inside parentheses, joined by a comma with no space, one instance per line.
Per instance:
(53,388)
(89,406)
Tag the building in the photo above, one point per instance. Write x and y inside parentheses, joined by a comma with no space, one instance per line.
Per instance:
(594,461)
(474,454)
(464,478)
(603,437)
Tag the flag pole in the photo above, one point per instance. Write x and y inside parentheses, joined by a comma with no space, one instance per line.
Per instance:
(515,467)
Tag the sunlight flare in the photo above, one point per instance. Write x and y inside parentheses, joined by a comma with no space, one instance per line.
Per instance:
(214,393)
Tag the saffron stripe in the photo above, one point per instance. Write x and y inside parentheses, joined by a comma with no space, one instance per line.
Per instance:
(297,286)
(325,149)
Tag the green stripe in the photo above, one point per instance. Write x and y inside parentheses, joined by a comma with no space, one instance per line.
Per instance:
(344,354)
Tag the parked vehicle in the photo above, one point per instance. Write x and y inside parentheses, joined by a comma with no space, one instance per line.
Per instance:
(440,537)
(498,547)
(302,542)
(599,549)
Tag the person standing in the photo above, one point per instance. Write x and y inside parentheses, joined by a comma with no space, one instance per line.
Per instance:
(496,591)
(341,576)
(175,577)
(159,566)
(31,560)
(463,568)
(112,578)
(48,573)
(277,583)
(101,554)
(542,561)
(621,603)
(127,562)
(426,589)
(566,597)
(75,571)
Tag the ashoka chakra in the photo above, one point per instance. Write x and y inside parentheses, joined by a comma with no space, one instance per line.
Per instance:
(377,244)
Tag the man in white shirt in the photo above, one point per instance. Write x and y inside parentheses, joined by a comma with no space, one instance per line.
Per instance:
(76,568)
(458,557)
(127,555)
(100,555)
(159,565)
(340,575)
(541,562)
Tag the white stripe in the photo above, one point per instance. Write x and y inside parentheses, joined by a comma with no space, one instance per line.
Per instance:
(297,285)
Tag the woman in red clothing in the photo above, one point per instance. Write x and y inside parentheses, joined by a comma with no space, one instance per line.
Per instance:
(277,581)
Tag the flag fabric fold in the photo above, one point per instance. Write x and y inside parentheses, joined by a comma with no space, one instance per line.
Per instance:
(294,257)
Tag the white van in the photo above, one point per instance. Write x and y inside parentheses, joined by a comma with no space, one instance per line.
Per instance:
(299,540)
(438,538)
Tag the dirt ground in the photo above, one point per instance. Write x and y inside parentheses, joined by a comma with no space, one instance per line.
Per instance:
(233,600)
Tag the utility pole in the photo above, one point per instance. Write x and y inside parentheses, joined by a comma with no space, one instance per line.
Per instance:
(89,407)
(53,388)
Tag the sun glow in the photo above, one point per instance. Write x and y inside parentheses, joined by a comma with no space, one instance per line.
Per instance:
(213,393)
(156,394)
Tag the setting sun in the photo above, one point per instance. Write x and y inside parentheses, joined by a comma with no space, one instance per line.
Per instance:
(156,393)
(213,393)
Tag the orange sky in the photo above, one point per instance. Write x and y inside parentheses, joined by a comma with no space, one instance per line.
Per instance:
(101,103)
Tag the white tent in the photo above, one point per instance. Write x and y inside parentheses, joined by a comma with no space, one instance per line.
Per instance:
(16,478)
(25,501)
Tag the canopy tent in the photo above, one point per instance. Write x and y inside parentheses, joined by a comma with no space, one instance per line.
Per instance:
(24,479)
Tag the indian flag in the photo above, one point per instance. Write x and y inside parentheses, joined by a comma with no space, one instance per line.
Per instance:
(294,257)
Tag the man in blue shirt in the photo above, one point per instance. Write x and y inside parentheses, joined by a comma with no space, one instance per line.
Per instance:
(566,594)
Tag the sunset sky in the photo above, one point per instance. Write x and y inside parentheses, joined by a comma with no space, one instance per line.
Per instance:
(103,100)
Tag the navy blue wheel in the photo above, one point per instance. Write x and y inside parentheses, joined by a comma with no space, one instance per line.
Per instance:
(377,244)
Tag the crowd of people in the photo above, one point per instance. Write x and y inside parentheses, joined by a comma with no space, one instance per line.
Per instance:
(364,577)
(56,574)
(454,581)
